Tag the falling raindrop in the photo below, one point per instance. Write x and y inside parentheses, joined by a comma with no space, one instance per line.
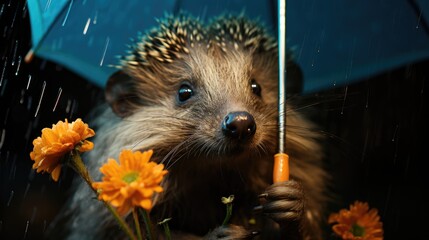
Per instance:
(1,9)
(4,86)
(29,102)
(29,81)
(47,5)
(73,108)
(14,53)
(394,134)
(67,14)
(418,20)
(3,136)
(69,102)
(22,98)
(26,229)
(41,97)
(24,11)
(85,29)
(344,101)
(105,50)
(3,71)
(389,192)
(14,17)
(95,18)
(13,169)
(5,31)
(60,90)
(10,198)
(367,99)
(19,65)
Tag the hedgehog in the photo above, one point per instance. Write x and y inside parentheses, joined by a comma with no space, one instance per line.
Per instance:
(204,98)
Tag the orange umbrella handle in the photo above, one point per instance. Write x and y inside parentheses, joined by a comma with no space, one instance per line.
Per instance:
(281,167)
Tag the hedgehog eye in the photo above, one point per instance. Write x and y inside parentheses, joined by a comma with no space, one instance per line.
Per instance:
(256,88)
(185,92)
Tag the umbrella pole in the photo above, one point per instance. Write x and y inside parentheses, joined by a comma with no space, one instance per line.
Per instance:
(281,159)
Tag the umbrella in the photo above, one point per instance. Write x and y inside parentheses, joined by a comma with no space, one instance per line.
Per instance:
(336,42)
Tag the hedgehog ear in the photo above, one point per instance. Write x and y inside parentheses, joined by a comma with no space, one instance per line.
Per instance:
(120,94)
(294,76)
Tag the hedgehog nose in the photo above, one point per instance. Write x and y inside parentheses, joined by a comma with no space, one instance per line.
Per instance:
(239,125)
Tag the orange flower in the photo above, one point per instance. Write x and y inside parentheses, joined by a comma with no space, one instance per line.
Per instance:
(56,142)
(132,182)
(359,222)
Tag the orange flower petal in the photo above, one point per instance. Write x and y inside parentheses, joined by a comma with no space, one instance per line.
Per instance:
(123,188)
(56,173)
(56,142)
(86,146)
(359,214)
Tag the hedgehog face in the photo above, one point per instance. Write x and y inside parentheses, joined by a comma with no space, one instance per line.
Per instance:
(217,85)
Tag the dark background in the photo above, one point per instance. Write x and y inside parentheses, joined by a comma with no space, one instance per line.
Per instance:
(375,136)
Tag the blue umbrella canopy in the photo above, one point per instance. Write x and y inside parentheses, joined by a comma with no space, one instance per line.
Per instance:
(335,42)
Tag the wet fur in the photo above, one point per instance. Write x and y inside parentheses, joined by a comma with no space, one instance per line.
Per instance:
(203,165)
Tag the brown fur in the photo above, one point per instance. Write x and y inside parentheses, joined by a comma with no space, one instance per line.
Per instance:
(203,165)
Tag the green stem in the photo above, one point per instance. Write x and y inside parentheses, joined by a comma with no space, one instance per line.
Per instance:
(164,224)
(78,166)
(148,224)
(228,214)
(137,224)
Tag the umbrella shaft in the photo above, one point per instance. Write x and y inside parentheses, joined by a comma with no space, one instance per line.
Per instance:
(282,74)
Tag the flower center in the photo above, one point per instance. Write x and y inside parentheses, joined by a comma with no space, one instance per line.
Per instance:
(130,177)
(358,231)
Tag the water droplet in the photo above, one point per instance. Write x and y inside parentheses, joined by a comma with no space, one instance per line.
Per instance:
(41,97)
(367,99)
(344,101)
(394,134)
(419,19)
(85,29)
(1,9)
(14,53)
(19,65)
(67,14)
(14,16)
(24,11)
(29,102)
(22,98)
(69,102)
(47,5)
(60,90)
(29,81)
(3,72)
(26,229)
(105,50)
(95,18)
(2,137)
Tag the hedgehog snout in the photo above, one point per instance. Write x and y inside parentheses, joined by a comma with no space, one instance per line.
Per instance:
(239,125)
